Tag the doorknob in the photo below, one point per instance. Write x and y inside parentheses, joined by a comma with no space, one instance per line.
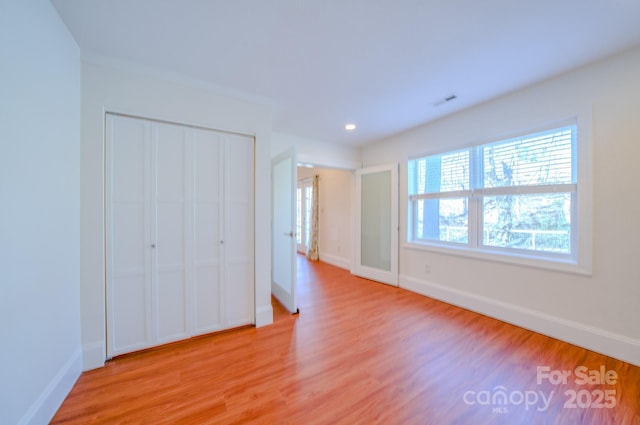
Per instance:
(290,234)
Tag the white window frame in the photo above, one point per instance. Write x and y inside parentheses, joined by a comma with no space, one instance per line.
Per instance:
(580,259)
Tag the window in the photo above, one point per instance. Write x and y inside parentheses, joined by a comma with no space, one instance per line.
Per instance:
(515,197)
(304,204)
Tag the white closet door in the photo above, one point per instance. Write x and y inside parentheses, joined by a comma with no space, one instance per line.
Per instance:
(239,231)
(170,232)
(208,230)
(180,233)
(128,242)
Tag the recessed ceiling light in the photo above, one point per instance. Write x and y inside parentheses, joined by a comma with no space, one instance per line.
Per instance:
(350,127)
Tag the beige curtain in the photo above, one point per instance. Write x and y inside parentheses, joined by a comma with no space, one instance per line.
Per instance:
(312,253)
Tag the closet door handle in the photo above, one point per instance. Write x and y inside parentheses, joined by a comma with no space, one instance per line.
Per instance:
(290,234)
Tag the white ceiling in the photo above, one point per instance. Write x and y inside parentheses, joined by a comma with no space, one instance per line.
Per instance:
(381,64)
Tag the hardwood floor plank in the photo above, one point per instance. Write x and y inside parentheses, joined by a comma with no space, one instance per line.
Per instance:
(359,352)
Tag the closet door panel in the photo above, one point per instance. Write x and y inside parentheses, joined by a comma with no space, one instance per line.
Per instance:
(170,245)
(239,299)
(128,232)
(170,232)
(239,230)
(129,324)
(207,235)
(130,279)
(171,319)
(129,239)
(128,146)
(207,268)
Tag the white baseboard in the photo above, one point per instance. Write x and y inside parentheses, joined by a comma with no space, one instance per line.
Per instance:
(264,316)
(334,260)
(599,340)
(93,355)
(49,401)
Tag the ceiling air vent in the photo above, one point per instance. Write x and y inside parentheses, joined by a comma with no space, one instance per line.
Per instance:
(445,100)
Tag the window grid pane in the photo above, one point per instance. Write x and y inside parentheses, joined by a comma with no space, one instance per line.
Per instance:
(308,205)
(299,216)
(543,158)
(529,222)
(442,173)
(445,220)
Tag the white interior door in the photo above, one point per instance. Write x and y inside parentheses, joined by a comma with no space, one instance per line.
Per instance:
(169,235)
(283,256)
(239,231)
(377,223)
(208,231)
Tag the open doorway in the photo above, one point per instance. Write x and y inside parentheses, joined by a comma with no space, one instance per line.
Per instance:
(292,193)
(335,213)
(304,214)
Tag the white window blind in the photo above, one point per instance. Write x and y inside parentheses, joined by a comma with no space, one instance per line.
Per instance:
(540,159)
(514,195)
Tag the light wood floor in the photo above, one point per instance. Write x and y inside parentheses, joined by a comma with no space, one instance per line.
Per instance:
(359,352)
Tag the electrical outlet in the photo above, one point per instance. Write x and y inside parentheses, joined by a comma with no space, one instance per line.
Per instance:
(427,268)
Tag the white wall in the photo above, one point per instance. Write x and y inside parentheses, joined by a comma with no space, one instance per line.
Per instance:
(600,312)
(109,89)
(39,213)
(335,221)
(315,152)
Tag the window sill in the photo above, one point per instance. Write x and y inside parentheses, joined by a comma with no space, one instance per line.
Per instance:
(543,263)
